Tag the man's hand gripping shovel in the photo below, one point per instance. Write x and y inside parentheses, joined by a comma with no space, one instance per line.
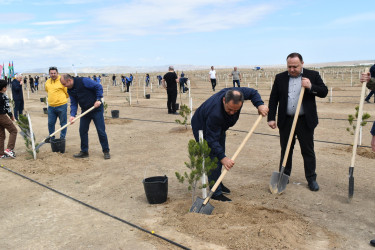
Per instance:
(66,125)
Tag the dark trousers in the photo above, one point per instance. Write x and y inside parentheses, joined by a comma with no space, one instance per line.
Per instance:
(372,92)
(215,173)
(236,81)
(18,108)
(171,103)
(306,140)
(213,83)
(97,116)
(127,86)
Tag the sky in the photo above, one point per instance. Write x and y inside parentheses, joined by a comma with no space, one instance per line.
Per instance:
(145,33)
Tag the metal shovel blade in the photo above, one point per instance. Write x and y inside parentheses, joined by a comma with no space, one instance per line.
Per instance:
(351,183)
(198,207)
(39,145)
(278,183)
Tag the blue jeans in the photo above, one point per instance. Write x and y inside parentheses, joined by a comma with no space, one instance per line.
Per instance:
(236,81)
(97,116)
(53,113)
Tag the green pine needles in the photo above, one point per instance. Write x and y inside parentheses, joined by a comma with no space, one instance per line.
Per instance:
(184,112)
(365,117)
(23,123)
(200,163)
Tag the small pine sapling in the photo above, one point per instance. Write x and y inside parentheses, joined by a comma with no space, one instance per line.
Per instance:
(200,163)
(365,117)
(23,123)
(184,112)
(105,106)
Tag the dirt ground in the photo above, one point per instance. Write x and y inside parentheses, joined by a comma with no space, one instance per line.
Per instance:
(145,141)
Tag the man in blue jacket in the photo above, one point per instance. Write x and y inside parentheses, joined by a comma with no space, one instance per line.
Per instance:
(215,116)
(17,96)
(87,93)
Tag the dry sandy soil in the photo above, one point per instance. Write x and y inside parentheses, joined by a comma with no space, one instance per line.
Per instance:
(145,141)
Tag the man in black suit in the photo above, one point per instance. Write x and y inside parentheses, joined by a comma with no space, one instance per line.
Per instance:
(284,96)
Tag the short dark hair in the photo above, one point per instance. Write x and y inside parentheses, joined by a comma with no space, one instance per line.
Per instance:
(53,68)
(232,95)
(293,55)
(3,84)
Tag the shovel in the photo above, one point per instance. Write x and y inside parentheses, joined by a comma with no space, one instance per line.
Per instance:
(279,180)
(66,125)
(355,144)
(202,206)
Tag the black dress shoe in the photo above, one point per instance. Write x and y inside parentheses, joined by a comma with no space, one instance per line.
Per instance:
(372,243)
(221,197)
(107,156)
(313,185)
(81,155)
(224,189)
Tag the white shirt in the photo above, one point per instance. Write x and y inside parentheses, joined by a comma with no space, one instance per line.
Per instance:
(293,95)
(213,74)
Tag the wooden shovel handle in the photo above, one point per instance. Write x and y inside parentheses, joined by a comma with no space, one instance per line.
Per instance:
(66,125)
(221,177)
(359,121)
(295,119)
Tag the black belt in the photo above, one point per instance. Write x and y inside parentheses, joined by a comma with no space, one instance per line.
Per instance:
(292,116)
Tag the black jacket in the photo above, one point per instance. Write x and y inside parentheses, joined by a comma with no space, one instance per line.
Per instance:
(279,97)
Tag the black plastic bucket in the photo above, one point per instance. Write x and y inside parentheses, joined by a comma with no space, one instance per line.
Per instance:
(156,189)
(115,113)
(147,96)
(42,99)
(45,111)
(58,145)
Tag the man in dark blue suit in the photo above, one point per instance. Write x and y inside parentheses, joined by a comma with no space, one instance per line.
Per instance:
(284,97)
(215,116)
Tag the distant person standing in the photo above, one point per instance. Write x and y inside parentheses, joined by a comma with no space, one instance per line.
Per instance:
(127,83)
(159,77)
(212,74)
(57,102)
(25,82)
(31,82)
(236,77)
(147,80)
(17,96)
(131,79)
(114,80)
(36,82)
(372,91)
(87,93)
(171,79)
(183,81)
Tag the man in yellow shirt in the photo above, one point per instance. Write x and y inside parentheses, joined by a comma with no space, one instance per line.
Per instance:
(57,102)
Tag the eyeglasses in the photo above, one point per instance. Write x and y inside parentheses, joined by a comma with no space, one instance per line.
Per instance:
(52,68)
